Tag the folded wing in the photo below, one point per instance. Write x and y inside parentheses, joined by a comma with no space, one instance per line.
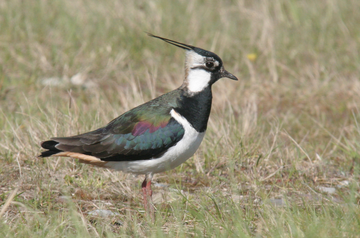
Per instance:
(132,136)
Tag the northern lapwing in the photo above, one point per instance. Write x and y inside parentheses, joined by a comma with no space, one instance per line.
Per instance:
(157,135)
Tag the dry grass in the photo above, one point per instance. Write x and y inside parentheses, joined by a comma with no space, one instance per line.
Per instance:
(276,138)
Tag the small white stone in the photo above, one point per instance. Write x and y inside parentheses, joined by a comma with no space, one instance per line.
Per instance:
(330,190)
(103,213)
(344,183)
(78,79)
(54,81)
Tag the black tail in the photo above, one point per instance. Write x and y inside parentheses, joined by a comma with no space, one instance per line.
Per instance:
(50,146)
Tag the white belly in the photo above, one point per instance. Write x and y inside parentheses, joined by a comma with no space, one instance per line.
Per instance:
(175,155)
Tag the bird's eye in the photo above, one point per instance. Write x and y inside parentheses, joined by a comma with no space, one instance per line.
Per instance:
(209,64)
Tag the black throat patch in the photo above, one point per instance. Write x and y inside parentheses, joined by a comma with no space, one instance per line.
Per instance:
(196,108)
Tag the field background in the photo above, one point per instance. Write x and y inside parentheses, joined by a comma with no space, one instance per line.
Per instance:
(281,154)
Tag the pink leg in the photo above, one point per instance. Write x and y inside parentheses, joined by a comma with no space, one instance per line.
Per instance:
(147,195)
(148,189)
(145,199)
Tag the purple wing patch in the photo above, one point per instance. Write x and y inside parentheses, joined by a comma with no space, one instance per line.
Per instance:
(141,127)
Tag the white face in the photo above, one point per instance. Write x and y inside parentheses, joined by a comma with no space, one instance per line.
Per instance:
(198,77)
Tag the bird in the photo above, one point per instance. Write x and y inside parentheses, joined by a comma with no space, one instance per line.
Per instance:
(156,136)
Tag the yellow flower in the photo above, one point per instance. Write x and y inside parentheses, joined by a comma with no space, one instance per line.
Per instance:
(252,57)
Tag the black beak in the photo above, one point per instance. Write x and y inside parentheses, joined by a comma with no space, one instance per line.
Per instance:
(226,74)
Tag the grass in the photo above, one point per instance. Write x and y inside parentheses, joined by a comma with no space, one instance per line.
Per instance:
(276,138)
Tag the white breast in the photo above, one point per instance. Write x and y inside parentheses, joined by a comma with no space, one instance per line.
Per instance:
(175,155)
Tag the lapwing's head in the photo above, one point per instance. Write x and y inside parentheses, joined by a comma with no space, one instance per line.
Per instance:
(202,67)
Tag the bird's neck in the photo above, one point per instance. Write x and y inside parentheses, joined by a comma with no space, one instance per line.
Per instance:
(195,107)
